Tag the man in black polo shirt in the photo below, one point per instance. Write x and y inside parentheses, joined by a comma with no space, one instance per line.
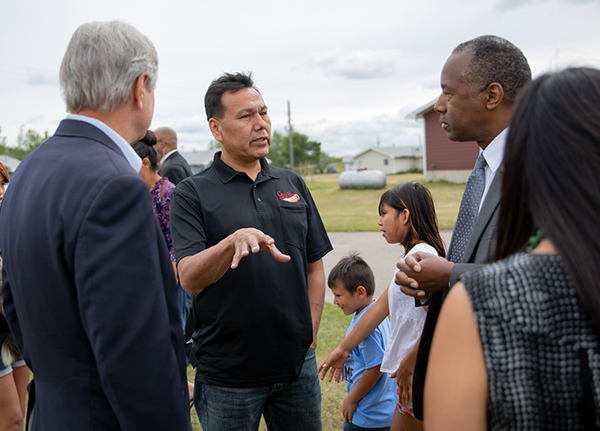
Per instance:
(256,315)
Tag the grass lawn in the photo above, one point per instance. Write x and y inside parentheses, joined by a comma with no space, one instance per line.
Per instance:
(350,210)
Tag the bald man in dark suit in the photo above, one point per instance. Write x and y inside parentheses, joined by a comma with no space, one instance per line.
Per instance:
(172,164)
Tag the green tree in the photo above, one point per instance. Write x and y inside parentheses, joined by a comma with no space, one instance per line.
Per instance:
(26,143)
(308,157)
(2,143)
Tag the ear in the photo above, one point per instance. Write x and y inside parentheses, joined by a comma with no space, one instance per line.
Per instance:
(215,127)
(139,90)
(494,95)
(361,292)
(406,213)
(146,162)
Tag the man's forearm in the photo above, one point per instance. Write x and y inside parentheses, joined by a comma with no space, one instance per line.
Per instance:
(316,295)
(206,267)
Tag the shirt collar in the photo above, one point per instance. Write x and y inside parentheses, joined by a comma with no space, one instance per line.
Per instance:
(226,173)
(494,152)
(166,156)
(128,152)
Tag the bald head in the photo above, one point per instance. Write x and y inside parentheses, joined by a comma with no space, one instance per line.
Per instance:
(166,141)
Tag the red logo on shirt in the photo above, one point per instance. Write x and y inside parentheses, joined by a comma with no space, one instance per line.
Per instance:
(288,196)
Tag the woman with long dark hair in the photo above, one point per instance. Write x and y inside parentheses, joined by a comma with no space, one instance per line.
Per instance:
(518,341)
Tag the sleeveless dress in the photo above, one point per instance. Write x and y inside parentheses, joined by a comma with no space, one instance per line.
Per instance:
(541,351)
(406,320)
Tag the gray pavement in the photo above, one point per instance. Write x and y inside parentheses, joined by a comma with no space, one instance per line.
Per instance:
(373,248)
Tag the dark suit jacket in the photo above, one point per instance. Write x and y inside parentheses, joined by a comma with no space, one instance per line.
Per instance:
(176,168)
(480,250)
(89,289)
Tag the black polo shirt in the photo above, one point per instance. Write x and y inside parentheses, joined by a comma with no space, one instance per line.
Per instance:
(252,327)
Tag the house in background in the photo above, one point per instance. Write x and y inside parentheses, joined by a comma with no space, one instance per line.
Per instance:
(444,159)
(10,162)
(349,164)
(199,160)
(389,160)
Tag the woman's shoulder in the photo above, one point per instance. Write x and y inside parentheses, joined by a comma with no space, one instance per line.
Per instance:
(519,263)
(163,188)
(424,248)
(533,278)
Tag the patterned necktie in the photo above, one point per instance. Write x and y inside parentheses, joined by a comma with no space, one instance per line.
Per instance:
(469,208)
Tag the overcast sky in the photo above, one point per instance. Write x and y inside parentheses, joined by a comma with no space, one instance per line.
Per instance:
(352,70)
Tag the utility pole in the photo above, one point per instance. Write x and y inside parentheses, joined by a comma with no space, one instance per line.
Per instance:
(291,139)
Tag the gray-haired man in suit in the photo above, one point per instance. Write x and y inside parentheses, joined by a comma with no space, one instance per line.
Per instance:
(480,81)
(88,284)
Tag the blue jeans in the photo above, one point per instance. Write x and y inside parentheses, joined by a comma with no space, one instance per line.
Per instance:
(184,301)
(287,406)
(348,426)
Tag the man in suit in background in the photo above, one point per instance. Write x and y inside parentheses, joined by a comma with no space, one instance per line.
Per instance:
(172,164)
(480,81)
(88,284)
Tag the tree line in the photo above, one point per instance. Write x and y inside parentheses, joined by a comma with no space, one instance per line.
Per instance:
(308,156)
(27,141)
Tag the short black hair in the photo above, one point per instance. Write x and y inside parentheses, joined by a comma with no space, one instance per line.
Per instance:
(226,82)
(495,60)
(353,271)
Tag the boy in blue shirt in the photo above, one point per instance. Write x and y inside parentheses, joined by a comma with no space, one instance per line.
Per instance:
(371,398)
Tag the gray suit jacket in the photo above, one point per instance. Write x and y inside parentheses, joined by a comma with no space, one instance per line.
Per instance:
(482,242)
(480,250)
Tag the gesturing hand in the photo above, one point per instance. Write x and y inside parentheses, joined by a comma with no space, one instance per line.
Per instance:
(250,240)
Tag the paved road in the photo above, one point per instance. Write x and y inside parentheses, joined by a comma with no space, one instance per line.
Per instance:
(374,249)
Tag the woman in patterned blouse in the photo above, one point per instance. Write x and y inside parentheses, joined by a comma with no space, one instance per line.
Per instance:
(160,187)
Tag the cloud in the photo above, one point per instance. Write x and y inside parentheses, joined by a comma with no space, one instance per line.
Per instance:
(350,138)
(507,5)
(355,65)
(41,77)
(38,79)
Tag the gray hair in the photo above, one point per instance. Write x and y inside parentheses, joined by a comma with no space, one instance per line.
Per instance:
(101,64)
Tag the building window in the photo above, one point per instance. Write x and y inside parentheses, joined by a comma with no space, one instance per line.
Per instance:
(385,162)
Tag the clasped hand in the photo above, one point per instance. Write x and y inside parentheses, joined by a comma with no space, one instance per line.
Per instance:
(422,274)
